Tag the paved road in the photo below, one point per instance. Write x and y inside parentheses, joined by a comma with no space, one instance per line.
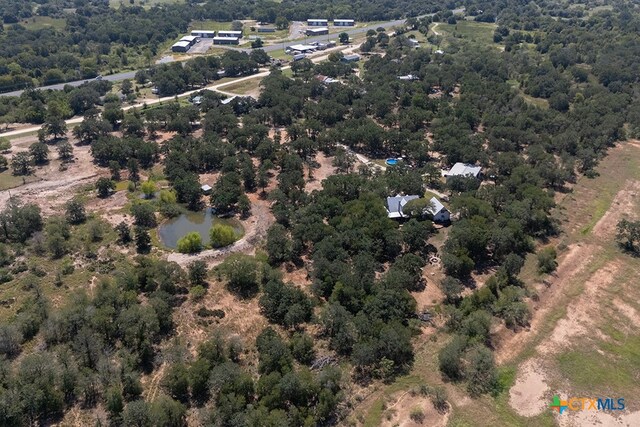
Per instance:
(270,48)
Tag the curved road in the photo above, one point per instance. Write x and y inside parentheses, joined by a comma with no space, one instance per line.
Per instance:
(270,48)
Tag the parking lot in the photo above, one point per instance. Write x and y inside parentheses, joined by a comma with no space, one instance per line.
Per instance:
(202,46)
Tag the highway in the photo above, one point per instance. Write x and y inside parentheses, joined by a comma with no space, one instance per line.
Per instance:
(270,48)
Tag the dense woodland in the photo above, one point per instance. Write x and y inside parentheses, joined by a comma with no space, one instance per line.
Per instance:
(358,312)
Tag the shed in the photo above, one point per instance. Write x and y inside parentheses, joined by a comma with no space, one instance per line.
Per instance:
(266,30)
(226,40)
(205,34)
(317,22)
(206,188)
(344,22)
(464,170)
(237,34)
(351,58)
(180,46)
(320,31)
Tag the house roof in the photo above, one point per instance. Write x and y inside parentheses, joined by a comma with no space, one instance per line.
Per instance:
(464,169)
(343,20)
(225,38)
(317,30)
(396,203)
(302,47)
(436,207)
(189,38)
(194,32)
(206,187)
(229,32)
(181,44)
(316,20)
(353,57)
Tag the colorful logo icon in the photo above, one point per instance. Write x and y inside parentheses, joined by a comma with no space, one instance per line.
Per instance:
(558,405)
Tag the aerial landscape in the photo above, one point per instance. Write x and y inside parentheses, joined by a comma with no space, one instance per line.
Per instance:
(319,213)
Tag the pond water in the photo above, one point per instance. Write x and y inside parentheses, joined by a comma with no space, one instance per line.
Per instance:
(201,222)
(391,162)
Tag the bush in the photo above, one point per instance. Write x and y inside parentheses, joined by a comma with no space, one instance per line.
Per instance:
(547,260)
(450,358)
(481,371)
(191,243)
(222,235)
(197,293)
(417,415)
(439,399)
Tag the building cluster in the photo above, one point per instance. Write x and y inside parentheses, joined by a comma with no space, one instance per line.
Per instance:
(303,49)
(336,22)
(218,37)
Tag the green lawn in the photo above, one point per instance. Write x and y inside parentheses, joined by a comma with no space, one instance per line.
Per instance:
(478,32)
(40,22)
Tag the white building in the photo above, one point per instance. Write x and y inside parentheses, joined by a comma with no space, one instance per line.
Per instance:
(317,22)
(236,34)
(438,212)
(344,22)
(204,34)
(464,170)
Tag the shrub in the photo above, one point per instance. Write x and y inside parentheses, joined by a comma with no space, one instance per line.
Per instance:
(222,235)
(439,399)
(191,243)
(197,293)
(417,415)
(547,260)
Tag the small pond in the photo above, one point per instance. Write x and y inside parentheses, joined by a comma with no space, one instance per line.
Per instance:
(201,222)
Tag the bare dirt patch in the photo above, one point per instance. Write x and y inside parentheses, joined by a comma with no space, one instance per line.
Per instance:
(527,396)
(577,258)
(623,205)
(581,313)
(325,170)
(399,412)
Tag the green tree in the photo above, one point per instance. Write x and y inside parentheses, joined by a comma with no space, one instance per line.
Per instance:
(21,164)
(242,274)
(547,260)
(244,206)
(65,151)
(75,212)
(143,240)
(124,233)
(148,189)
(222,235)
(137,414)
(278,244)
(39,153)
(191,243)
(628,234)
(143,214)
(197,273)
(105,187)
(176,382)
(450,358)
(343,37)
(257,43)
(481,371)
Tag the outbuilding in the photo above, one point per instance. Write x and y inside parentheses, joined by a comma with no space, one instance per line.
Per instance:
(344,22)
(206,189)
(464,170)
(321,31)
(438,212)
(226,40)
(181,46)
(351,58)
(236,34)
(204,34)
(317,22)
(266,30)
(189,39)
(302,48)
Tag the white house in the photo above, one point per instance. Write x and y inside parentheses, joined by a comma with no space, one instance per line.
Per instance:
(396,203)
(438,212)
(464,170)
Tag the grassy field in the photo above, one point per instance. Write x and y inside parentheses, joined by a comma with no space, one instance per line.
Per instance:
(478,32)
(243,87)
(8,180)
(40,22)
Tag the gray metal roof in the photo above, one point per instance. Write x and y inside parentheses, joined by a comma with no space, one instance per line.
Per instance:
(464,169)
(396,203)
(436,206)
